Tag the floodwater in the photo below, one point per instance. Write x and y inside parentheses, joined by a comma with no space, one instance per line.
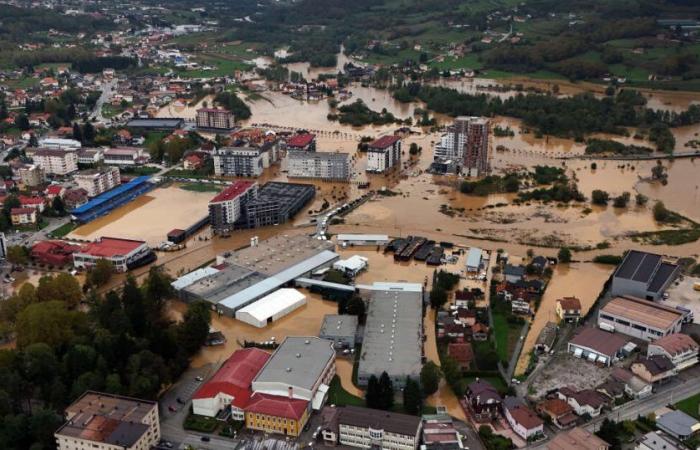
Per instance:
(185,111)
(581,280)
(681,194)
(149,217)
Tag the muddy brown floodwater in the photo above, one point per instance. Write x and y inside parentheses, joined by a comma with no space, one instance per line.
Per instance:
(581,280)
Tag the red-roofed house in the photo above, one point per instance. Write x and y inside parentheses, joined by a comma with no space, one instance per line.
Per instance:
(193,162)
(23,216)
(276,414)
(230,385)
(38,203)
(54,190)
(53,253)
(524,422)
(679,348)
(383,154)
(122,253)
(461,352)
(302,141)
(226,208)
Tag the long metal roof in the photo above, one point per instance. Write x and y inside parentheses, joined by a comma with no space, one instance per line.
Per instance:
(111,194)
(244,297)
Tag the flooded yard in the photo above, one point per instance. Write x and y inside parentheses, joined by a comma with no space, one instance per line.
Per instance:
(149,217)
(581,280)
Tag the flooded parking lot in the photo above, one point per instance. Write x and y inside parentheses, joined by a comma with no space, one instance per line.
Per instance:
(149,217)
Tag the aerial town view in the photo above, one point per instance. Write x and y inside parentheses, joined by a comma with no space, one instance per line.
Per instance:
(337,224)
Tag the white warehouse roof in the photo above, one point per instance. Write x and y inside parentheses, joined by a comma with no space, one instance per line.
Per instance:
(273,304)
(363,237)
(192,277)
(355,263)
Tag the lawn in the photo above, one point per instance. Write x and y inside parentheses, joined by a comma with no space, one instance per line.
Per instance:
(201,187)
(506,335)
(202,424)
(470,61)
(340,397)
(538,75)
(495,381)
(690,406)
(64,229)
(223,65)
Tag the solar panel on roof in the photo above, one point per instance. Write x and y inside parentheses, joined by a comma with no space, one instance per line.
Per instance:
(661,277)
(646,268)
(630,264)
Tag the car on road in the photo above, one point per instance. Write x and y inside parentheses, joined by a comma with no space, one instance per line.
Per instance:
(205,439)
(198,378)
(171,408)
(180,401)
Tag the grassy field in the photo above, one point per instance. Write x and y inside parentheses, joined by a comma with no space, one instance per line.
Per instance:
(201,187)
(506,335)
(340,397)
(690,406)
(470,61)
(223,65)
(495,381)
(64,229)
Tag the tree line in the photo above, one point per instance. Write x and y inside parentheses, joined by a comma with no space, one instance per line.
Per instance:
(122,343)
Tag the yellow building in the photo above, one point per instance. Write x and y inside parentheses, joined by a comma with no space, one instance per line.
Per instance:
(276,414)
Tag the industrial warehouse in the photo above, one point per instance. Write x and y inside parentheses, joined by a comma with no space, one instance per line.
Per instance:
(106,202)
(251,273)
(393,337)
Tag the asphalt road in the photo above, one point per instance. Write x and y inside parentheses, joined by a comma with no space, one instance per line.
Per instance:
(104,97)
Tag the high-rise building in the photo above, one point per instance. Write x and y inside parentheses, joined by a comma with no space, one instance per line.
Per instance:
(324,166)
(465,145)
(383,154)
(239,161)
(215,119)
(55,161)
(228,207)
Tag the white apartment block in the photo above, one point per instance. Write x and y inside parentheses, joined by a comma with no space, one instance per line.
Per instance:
(95,182)
(55,161)
(383,154)
(219,119)
(240,161)
(324,166)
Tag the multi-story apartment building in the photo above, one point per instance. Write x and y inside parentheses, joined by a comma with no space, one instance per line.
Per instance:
(383,154)
(90,155)
(31,175)
(228,207)
(370,428)
(324,166)
(55,161)
(239,161)
(96,182)
(109,422)
(466,144)
(215,119)
(680,349)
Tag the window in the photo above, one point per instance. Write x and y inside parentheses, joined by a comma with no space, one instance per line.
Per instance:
(607,317)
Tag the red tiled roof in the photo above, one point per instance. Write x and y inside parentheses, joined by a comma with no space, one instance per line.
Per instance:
(676,343)
(570,303)
(277,406)
(556,406)
(54,189)
(384,141)
(462,352)
(525,417)
(108,247)
(233,191)
(15,211)
(24,200)
(235,376)
(300,140)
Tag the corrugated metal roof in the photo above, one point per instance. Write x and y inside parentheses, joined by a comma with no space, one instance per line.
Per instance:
(273,303)
(363,237)
(474,257)
(191,277)
(244,297)
(109,195)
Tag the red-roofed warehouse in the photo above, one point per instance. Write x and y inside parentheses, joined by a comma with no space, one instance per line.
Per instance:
(124,254)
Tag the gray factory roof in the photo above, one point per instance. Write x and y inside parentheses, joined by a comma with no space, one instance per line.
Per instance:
(646,268)
(155,123)
(299,362)
(338,325)
(393,331)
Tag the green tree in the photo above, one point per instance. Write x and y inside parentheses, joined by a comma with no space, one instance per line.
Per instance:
(564,255)
(372,393)
(18,255)
(77,132)
(599,197)
(58,206)
(430,376)
(412,397)
(194,329)
(641,199)
(100,273)
(386,392)
(438,297)
(453,374)
(610,433)
(661,213)
(49,322)
(356,307)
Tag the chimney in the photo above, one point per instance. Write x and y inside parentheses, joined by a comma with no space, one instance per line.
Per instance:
(290,391)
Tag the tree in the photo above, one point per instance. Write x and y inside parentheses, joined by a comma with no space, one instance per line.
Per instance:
(385,392)
(77,132)
(430,376)
(621,200)
(88,132)
(16,254)
(22,122)
(599,197)
(412,397)
(661,213)
(58,206)
(438,297)
(641,199)
(564,255)
(453,374)
(658,172)
(100,273)
(193,331)
(355,307)
(372,393)
(609,432)
(49,322)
